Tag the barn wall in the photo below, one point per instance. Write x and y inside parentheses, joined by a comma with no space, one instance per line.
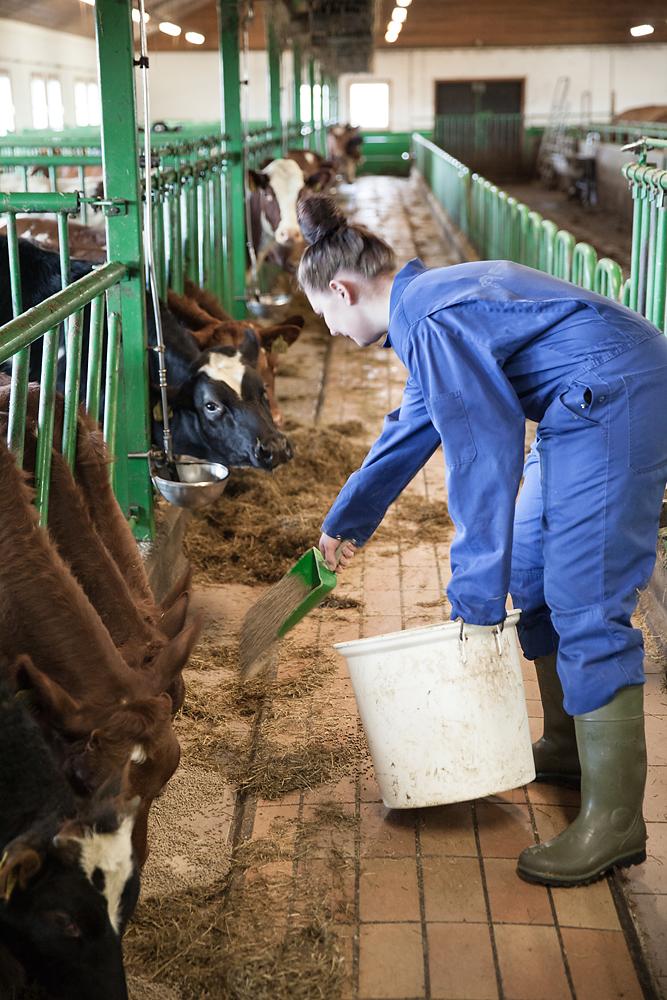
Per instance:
(636,74)
(26,49)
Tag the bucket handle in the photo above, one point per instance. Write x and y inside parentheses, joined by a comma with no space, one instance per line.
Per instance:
(497,631)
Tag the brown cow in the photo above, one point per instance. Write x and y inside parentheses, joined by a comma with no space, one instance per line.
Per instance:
(344,150)
(202,314)
(108,712)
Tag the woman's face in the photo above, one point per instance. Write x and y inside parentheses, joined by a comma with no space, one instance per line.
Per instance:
(350,308)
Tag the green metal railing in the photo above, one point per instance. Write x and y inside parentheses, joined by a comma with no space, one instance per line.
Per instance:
(500,227)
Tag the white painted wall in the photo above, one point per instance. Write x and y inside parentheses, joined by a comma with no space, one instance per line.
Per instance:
(635,74)
(186,85)
(26,49)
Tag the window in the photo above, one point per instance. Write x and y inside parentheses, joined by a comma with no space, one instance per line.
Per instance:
(326,106)
(304,99)
(369,105)
(317,104)
(47,103)
(7,122)
(86,103)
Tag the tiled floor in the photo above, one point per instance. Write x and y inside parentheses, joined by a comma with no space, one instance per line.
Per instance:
(428,903)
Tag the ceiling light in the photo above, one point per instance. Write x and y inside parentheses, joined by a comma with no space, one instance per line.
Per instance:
(403,3)
(136,16)
(391,37)
(642,29)
(399,14)
(394,28)
(169,29)
(195,37)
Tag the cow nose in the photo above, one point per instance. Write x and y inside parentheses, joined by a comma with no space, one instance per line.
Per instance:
(288,234)
(264,455)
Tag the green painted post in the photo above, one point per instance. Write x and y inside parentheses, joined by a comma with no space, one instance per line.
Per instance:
(235,235)
(274,89)
(322,132)
(115,53)
(296,94)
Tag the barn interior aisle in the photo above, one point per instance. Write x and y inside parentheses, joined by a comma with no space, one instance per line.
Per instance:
(275,870)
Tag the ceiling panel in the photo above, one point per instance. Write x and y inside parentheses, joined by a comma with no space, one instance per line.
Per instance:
(430,23)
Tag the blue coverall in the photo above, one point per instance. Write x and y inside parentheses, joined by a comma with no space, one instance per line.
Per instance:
(487,344)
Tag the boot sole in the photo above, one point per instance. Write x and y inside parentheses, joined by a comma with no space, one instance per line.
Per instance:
(562,883)
(563,780)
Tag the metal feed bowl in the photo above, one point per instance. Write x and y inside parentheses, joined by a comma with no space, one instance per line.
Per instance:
(260,305)
(199,483)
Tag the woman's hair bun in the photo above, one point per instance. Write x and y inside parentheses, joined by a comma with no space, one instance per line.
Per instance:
(319,217)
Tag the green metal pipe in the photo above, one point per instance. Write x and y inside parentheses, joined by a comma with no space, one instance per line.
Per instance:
(94,373)
(40,160)
(159,244)
(72,385)
(192,230)
(584,263)
(296,93)
(115,52)
(564,249)
(608,279)
(45,421)
(28,326)
(111,388)
(53,201)
(548,246)
(274,87)
(533,239)
(234,214)
(657,315)
(18,394)
(312,138)
(217,256)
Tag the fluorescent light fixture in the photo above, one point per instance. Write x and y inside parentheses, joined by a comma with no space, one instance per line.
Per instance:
(169,29)
(642,29)
(195,37)
(394,28)
(403,3)
(391,37)
(399,14)
(136,16)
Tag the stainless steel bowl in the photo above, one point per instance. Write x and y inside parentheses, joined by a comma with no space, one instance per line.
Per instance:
(263,303)
(199,483)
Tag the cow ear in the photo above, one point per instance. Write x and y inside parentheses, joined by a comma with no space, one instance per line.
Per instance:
(272,335)
(65,711)
(173,619)
(250,348)
(181,585)
(171,660)
(319,180)
(19,863)
(258,180)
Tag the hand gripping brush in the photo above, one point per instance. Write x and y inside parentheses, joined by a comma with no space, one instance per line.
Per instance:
(282,607)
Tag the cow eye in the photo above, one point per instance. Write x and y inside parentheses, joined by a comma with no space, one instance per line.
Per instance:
(63,922)
(211,406)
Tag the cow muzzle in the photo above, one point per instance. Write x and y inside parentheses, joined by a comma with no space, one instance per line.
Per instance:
(277,451)
(288,235)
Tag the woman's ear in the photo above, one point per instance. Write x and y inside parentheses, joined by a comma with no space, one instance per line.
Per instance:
(345,290)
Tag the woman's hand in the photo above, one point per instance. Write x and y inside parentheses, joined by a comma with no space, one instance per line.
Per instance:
(329,546)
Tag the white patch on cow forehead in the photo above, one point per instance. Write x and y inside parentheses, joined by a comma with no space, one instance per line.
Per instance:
(286,180)
(112,854)
(138,755)
(223,368)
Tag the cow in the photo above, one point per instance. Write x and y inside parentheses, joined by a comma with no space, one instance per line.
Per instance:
(106,713)
(344,150)
(201,313)
(220,410)
(274,193)
(69,881)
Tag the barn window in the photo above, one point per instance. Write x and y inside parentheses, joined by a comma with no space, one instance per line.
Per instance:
(86,103)
(369,105)
(47,103)
(7,122)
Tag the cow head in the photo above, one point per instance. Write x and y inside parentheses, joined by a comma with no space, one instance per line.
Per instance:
(222,412)
(278,187)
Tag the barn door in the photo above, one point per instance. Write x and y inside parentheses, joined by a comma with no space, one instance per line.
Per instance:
(481,123)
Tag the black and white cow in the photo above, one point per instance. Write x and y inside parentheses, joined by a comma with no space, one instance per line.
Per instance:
(68,879)
(219,408)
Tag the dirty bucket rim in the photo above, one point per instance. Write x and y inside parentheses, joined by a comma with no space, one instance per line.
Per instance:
(424,632)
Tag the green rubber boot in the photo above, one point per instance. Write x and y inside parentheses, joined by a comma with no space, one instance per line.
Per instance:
(555,753)
(609,831)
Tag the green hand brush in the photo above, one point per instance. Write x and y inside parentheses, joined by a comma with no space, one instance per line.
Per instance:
(282,607)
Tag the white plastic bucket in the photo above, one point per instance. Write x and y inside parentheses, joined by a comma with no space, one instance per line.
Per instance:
(444,712)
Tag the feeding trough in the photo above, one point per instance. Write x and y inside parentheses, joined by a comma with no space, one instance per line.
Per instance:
(189,482)
(260,303)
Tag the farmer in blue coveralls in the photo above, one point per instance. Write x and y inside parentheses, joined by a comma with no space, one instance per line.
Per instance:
(486,345)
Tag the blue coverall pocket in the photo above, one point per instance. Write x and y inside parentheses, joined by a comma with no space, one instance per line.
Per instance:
(647,419)
(578,400)
(450,418)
